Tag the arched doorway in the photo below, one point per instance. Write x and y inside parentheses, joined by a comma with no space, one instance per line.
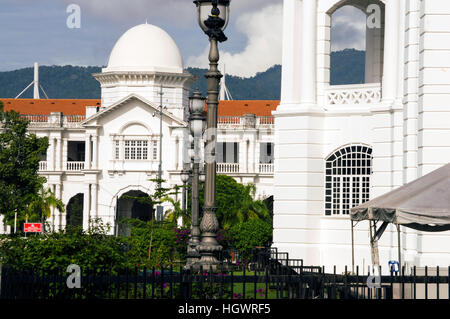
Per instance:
(74,211)
(129,207)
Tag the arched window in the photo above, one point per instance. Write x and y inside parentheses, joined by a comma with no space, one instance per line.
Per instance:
(356,42)
(347,178)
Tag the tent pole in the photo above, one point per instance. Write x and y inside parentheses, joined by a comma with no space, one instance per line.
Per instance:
(353,250)
(399,250)
(374,244)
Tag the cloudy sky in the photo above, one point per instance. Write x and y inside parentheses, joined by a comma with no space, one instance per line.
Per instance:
(36,30)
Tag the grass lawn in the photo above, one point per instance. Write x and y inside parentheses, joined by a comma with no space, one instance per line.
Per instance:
(261,287)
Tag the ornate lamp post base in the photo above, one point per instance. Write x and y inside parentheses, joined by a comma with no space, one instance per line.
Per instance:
(193,257)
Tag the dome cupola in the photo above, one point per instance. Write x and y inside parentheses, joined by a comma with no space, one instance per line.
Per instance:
(145,48)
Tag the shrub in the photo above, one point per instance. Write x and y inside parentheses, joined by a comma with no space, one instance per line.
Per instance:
(167,243)
(248,235)
(56,251)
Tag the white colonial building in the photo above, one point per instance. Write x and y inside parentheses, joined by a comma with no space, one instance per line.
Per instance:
(320,151)
(102,150)
(338,146)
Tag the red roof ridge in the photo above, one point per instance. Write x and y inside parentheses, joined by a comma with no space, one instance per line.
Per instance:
(78,106)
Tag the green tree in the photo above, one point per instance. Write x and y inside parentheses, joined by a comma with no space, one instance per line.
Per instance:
(172,215)
(20,154)
(235,202)
(40,208)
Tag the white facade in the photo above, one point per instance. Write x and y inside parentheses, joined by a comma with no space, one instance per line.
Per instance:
(113,149)
(401,115)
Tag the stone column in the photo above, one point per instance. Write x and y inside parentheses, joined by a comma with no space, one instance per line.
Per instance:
(94,204)
(181,153)
(88,155)
(251,154)
(308,53)
(290,84)
(177,153)
(51,154)
(60,214)
(242,156)
(65,154)
(52,209)
(58,154)
(95,151)
(86,206)
(391,39)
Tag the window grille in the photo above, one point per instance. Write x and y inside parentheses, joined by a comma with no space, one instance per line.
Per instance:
(117,150)
(136,150)
(347,176)
(155,150)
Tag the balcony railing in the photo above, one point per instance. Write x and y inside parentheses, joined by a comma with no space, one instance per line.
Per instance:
(42,166)
(353,94)
(73,121)
(265,121)
(229,121)
(244,122)
(75,166)
(225,168)
(266,168)
(54,120)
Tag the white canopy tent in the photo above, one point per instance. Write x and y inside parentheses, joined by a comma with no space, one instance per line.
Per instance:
(423,204)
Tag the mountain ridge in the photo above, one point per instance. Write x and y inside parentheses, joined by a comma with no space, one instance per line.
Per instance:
(76,82)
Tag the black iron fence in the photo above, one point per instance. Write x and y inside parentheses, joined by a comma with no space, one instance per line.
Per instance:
(224,283)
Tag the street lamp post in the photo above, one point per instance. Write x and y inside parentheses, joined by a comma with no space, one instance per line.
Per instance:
(197,127)
(184,179)
(213,18)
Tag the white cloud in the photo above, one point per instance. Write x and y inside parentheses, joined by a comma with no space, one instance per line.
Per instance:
(179,12)
(264,32)
(348,29)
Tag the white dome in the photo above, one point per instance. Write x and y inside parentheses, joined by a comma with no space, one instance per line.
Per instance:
(145,48)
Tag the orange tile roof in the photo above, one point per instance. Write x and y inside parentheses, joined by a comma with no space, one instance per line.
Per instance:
(78,106)
(241,107)
(43,106)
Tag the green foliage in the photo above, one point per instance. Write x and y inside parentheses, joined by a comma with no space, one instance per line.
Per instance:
(19,162)
(251,234)
(40,208)
(90,250)
(95,249)
(235,202)
(163,240)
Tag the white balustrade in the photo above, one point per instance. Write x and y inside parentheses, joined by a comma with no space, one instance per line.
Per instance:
(265,121)
(229,121)
(237,122)
(75,166)
(42,166)
(353,94)
(266,168)
(72,121)
(225,168)
(37,120)
(50,121)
